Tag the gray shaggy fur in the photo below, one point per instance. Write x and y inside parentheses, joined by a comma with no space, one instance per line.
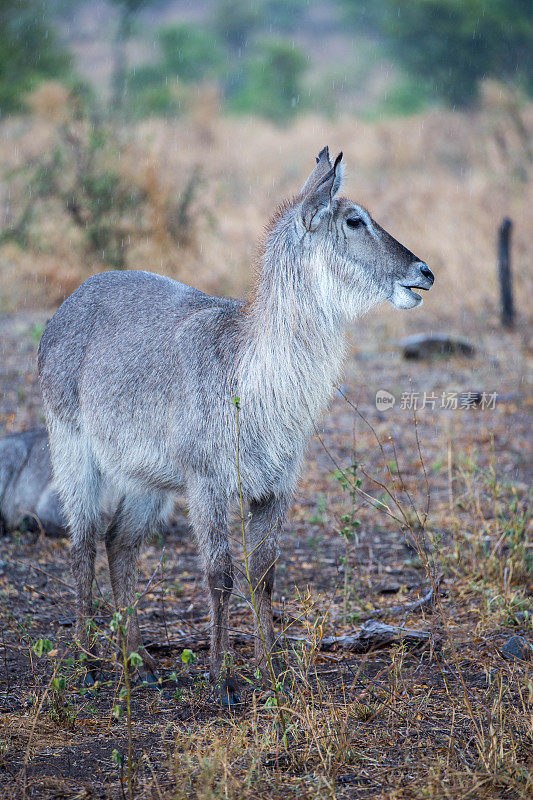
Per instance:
(28,499)
(138,373)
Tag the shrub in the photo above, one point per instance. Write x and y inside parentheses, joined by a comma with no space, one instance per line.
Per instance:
(285,16)
(236,21)
(78,175)
(29,51)
(451,44)
(186,54)
(150,91)
(406,96)
(271,82)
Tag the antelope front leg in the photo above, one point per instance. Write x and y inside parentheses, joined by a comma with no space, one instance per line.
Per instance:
(208,514)
(220,582)
(262,545)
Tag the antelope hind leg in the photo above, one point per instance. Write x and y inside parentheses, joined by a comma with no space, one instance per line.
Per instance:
(134,520)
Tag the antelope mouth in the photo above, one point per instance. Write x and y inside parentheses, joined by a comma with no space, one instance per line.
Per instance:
(409,287)
(414,294)
(403,297)
(419,277)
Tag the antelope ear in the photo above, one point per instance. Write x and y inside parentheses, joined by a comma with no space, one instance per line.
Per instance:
(323,165)
(317,202)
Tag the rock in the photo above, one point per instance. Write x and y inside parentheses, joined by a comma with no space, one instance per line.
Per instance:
(517,649)
(422,345)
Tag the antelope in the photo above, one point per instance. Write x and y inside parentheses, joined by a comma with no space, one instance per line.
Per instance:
(28,500)
(139,376)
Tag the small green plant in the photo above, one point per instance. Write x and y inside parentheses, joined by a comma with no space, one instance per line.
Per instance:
(42,647)
(119,625)
(118,709)
(319,516)
(350,523)
(62,712)
(188,657)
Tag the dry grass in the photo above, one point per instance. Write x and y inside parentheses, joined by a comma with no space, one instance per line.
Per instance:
(440,182)
(452,722)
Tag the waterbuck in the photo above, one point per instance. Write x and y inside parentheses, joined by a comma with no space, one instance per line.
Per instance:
(28,499)
(140,373)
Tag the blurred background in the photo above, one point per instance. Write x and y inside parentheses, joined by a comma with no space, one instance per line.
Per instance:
(163,133)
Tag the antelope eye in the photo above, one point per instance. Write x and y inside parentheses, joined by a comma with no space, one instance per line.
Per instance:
(354,222)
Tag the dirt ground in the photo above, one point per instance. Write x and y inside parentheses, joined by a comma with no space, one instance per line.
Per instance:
(451,720)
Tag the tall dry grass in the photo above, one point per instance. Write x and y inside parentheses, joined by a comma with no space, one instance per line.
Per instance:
(440,182)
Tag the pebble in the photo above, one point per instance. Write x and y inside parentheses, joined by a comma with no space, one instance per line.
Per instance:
(517,649)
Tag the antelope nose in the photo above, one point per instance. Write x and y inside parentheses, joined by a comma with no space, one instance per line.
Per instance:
(427,273)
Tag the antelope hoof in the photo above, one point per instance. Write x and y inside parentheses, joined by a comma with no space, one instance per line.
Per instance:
(230,699)
(151,678)
(93,675)
(229,694)
(90,679)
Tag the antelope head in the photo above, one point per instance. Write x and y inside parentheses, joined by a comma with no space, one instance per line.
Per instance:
(351,255)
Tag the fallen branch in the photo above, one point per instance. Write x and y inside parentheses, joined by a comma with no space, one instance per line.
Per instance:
(375,635)
(368,638)
(192,641)
(372,636)
(425,603)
